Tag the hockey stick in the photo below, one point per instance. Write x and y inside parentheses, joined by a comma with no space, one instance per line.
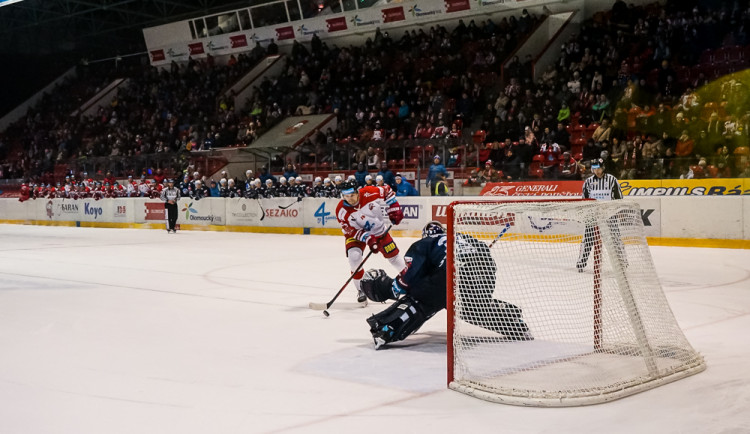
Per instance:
(500,235)
(299,199)
(262,211)
(325,306)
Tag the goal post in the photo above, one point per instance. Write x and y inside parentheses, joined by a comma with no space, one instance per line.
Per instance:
(557,303)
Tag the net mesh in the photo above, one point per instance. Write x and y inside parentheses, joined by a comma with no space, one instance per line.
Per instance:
(558,303)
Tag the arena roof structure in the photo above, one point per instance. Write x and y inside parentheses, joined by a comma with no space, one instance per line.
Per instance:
(93,28)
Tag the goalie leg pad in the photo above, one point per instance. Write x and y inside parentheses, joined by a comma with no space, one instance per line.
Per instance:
(377,285)
(499,317)
(401,319)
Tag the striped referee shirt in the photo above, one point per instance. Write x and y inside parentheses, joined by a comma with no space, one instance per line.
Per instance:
(605,188)
(170,194)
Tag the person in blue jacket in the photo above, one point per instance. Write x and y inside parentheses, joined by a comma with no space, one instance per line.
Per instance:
(360,174)
(404,187)
(420,290)
(265,175)
(432,175)
(289,172)
(388,177)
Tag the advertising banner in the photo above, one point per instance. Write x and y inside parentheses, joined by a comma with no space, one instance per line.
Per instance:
(534,188)
(196,48)
(365,18)
(336,24)
(122,210)
(457,5)
(686,187)
(86,210)
(320,213)
(163,47)
(283,33)
(149,210)
(312,27)
(278,215)
(238,41)
(391,15)
(204,212)
(417,212)
(157,56)
(650,215)
(243,212)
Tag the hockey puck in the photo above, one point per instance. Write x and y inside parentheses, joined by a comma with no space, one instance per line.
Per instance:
(325,312)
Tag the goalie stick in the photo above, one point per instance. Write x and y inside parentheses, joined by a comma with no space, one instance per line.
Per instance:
(325,306)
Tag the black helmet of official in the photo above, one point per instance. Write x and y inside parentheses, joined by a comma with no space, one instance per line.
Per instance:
(432,228)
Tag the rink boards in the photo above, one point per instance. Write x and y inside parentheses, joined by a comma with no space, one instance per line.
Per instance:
(708,221)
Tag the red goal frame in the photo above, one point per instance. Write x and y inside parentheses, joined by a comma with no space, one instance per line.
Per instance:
(450,269)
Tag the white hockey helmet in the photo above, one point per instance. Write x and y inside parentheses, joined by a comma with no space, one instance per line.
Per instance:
(317,179)
(282,180)
(368,178)
(327,181)
(269,182)
(298,179)
(337,179)
(222,181)
(378,178)
(248,172)
(231,181)
(351,177)
(256,181)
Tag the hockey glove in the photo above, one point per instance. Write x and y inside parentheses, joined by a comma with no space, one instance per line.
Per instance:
(395,214)
(372,242)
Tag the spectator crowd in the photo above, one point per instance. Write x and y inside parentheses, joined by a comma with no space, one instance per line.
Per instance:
(643,88)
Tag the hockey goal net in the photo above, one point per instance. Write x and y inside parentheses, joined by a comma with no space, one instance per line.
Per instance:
(557,331)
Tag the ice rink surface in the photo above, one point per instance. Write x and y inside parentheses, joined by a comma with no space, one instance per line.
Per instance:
(138,331)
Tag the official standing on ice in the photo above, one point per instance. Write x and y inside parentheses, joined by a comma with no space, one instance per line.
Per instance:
(599,186)
(170,195)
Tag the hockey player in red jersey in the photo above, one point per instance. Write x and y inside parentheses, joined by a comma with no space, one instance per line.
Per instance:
(365,216)
(25,193)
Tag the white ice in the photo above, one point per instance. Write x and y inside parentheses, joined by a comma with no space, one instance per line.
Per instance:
(138,331)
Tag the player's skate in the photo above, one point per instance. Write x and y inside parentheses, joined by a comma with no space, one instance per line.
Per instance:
(382,336)
(361,298)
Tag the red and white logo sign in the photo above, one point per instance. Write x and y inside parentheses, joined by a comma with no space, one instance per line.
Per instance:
(154,210)
(336,24)
(157,55)
(457,5)
(440,213)
(393,14)
(238,41)
(541,188)
(196,48)
(283,33)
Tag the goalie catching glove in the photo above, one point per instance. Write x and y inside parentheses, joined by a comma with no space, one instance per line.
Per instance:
(378,287)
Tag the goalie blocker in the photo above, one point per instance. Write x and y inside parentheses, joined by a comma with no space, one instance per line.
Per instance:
(420,292)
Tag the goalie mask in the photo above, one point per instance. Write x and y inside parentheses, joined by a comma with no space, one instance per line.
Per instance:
(377,285)
(432,228)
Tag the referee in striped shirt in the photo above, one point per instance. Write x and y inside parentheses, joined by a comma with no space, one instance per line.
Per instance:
(599,186)
(169,196)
